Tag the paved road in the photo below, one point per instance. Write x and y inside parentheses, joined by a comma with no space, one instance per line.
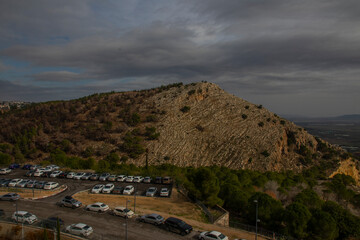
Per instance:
(105,225)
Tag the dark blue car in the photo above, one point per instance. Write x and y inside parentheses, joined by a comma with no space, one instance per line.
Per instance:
(14,165)
(27,166)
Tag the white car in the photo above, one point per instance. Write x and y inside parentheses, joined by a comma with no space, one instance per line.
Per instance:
(51,185)
(151,192)
(80,229)
(138,179)
(55,174)
(97,207)
(122,212)
(104,176)
(108,188)
(5,171)
(54,167)
(97,188)
(13,182)
(121,178)
(38,173)
(164,192)
(23,183)
(129,190)
(70,175)
(79,175)
(34,167)
(213,235)
(24,217)
(129,179)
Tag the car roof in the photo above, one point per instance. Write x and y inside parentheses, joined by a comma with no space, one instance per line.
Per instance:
(216,233)
(153,214)
(80,225)
(22,212)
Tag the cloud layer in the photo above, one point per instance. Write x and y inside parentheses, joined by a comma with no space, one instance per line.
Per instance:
(263,51)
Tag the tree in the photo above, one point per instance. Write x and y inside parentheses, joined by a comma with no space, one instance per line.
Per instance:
(309,198)
(322,226)
(296,218)
(268,208)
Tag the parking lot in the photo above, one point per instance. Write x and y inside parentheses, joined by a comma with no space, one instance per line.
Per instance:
(140,188)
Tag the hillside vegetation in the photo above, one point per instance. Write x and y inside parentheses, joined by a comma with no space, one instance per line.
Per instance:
(187,125)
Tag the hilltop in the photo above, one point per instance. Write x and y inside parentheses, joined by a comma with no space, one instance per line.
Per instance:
(197,124)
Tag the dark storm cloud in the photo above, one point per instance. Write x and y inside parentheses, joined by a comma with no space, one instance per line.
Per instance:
(248,47)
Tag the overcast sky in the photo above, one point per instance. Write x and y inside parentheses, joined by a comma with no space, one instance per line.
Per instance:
(293,57)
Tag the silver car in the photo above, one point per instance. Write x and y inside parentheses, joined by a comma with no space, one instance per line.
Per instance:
(80,229)
(152,218)
(10,197)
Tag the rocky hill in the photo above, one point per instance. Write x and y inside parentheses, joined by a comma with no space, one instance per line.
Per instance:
(187,125)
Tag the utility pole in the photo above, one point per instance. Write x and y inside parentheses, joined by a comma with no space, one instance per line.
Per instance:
(256,221)
(126,217)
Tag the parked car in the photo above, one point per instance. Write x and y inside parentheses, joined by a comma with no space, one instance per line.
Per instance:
(158,180)
(121,178)
(94,177)
(79,175)
(31,184)
(104,176)
(14,166)
(68,201)
(166,180)
(177,225)
(138,179)
(46,174)
(118,190)
(147,180)
(212,235)
(63,175)
(4,171)
(129,190)
(34,167)
(51,222)
(15,181)
(151,192)
(86,176)
(38,173)
(30,173)
(51,185)
(54,167)
(80,229)
(27,166)
(112,178)
(40,184)
(10,197)
(152,218)
(23,183)
(122,212)
(108,188)
(55,173)
(129,179)
(24,217)
(70,175)
(97,188)
(5,183)
(97,207)
(164,192)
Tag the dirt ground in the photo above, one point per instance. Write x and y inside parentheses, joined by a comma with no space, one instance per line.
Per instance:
(13,231)
(28,193)
(177,205)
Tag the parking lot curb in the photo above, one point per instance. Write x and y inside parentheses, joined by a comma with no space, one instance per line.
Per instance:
(48,195)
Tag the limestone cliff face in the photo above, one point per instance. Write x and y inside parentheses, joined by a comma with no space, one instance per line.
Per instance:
(221,129)
(348,167)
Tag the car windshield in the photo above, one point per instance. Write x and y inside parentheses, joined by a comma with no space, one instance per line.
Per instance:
(86,227)
(164,190)
(182,223)
(126,210)
(103,205)
(158,217)
(151,190)
(221,236)
(28,215)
